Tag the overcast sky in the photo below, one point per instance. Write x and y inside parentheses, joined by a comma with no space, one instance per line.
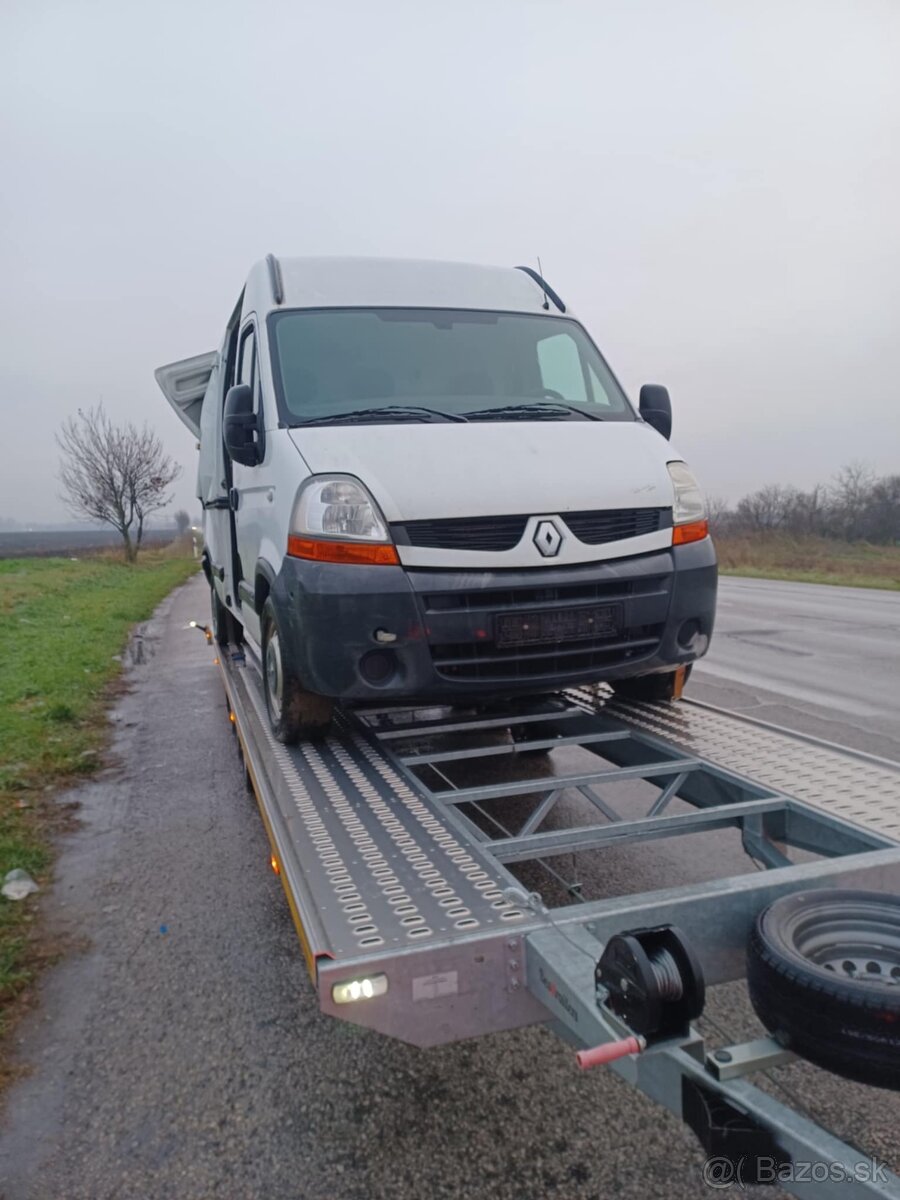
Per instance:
(713,185)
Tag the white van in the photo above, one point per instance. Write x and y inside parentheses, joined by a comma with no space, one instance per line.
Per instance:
(421,480)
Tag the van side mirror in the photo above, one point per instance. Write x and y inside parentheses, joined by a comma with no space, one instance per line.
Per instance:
(656,408)
(239,427)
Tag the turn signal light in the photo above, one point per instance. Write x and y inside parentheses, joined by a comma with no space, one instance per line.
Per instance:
(694,531)
(377,554)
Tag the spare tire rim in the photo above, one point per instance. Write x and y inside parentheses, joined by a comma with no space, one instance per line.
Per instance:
(861,943)
(273,673)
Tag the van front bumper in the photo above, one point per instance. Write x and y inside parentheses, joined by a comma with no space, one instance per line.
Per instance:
(377,633)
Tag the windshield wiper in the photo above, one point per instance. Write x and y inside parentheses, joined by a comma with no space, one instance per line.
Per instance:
(388,413)
(537,412)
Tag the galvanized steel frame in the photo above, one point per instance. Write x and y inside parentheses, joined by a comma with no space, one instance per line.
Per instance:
(540,967)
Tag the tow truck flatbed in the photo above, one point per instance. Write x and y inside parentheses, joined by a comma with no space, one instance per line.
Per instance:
(409,873)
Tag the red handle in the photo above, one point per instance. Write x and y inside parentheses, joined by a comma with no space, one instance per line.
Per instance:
(609,1052)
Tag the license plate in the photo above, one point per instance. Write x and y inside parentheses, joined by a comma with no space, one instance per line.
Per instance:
(557,625)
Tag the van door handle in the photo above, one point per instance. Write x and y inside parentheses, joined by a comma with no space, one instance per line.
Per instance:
(218,502)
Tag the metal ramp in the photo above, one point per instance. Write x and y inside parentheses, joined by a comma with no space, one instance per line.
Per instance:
(408,858)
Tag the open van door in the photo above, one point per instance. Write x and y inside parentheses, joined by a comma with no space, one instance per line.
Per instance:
(184,386)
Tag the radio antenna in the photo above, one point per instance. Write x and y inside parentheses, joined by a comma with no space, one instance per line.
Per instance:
(543,285)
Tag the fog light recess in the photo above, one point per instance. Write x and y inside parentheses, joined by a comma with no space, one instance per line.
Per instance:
(378,666)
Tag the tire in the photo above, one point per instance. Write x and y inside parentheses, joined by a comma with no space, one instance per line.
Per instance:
(649,689)
(845,1020)
(293,712)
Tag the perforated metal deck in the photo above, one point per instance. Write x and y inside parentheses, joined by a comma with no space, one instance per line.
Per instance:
(384,868)
(854,787)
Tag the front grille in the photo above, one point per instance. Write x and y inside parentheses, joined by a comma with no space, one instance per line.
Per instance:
(500,599)
(461,626)
(504,533)
(612,525)
(471,661)
(464,533)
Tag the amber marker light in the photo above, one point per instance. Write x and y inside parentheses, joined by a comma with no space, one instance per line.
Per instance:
(694,531)
(320,550)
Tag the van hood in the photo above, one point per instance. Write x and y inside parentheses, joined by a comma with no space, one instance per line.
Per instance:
(418,472)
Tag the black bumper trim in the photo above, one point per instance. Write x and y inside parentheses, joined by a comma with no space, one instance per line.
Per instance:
(331,614)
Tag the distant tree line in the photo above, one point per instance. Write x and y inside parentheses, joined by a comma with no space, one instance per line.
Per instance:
(857,506)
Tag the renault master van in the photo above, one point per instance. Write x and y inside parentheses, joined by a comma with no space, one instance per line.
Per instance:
(422,481)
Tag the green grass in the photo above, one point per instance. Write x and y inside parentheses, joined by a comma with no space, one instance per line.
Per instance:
(810,560)
(62,624)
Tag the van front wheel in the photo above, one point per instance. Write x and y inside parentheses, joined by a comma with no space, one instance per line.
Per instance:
(293,712)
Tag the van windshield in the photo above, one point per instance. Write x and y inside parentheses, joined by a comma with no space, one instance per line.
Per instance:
(378,365)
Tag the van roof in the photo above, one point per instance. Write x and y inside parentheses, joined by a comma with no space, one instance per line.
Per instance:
(394,283)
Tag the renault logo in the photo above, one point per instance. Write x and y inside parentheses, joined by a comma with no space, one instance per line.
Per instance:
(547,538)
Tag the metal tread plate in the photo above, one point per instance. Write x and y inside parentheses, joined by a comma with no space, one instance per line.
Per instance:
(386,871)
(850,786)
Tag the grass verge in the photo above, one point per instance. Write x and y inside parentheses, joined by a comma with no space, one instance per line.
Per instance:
(810,560)
(63,624)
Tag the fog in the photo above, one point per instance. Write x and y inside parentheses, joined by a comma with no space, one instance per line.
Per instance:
(712,186)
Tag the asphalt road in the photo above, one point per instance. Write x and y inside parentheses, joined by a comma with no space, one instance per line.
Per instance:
(825,660)
(177,1050)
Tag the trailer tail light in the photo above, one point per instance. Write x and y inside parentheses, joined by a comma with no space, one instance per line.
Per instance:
(694,531)
(320,550)
(359,989)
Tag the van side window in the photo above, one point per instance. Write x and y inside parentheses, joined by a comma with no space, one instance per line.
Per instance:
(247,358)
(560,365)
(248,366)
(248,373)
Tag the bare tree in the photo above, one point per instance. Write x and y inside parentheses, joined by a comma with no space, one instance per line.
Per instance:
(883,517)
(117,474)
(719,512)
(765,510)
(807,512)
(852,495)
(182,522)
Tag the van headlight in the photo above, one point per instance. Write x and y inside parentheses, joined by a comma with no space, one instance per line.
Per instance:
(689,515)
(336,520)
(338,506)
